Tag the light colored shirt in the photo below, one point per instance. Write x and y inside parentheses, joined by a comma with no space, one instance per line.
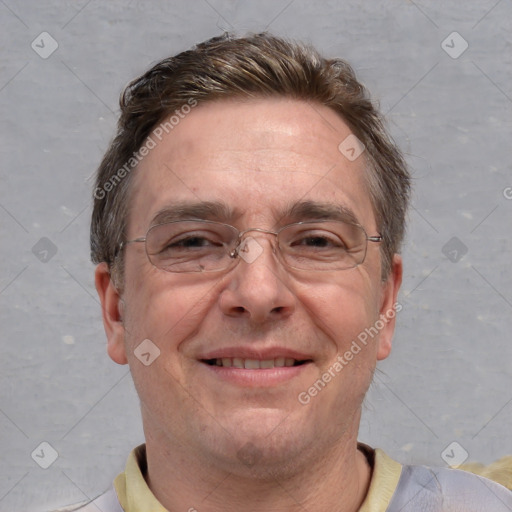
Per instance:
(393,488)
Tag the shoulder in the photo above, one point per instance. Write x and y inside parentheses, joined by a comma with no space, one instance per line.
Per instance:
(71,508)
(107,502)
(448,490)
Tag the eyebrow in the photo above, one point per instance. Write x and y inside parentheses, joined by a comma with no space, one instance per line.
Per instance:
(221,212)
(204,210)
(314,210)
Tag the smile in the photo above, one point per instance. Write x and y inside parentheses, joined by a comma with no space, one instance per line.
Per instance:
(254,364)
(265,372)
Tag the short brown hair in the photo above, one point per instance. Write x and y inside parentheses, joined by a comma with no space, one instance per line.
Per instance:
(255,66)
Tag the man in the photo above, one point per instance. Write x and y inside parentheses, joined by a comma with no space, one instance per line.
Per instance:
(247,225)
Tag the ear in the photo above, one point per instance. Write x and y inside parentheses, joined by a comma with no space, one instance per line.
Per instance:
(389,307)
(111,308)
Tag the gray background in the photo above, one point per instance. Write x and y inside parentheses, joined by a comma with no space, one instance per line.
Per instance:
(449,377)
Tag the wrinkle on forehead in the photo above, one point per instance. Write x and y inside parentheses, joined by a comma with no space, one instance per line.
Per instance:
(262,124)
(270,147)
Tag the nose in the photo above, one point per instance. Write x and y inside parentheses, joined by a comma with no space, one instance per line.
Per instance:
(258,289)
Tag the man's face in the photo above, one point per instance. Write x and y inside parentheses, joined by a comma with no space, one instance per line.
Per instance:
(258,159)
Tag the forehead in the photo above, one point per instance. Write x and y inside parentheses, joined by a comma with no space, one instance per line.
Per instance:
(258,157)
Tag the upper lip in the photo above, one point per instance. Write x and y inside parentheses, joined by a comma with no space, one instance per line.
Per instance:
(263,354)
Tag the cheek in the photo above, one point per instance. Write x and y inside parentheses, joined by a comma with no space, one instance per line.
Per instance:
(167,314)
(160,308)
(341,309)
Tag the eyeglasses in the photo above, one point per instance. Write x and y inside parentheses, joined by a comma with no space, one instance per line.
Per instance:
(207,246)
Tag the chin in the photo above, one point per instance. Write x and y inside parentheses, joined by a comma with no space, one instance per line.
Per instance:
(266,444)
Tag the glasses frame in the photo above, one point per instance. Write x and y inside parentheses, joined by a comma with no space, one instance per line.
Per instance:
(234,253)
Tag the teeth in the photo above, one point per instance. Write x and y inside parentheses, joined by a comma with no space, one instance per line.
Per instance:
(279,362)
(254,364)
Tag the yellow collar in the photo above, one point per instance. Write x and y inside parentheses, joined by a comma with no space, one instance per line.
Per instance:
(131,487)
(135,495)
(385,476)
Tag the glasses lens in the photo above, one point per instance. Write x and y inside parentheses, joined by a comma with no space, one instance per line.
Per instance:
(329,245)
(190,246)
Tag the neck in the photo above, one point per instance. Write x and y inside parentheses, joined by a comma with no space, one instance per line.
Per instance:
(336,480)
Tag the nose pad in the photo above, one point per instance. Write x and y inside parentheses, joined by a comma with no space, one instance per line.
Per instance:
(249,249)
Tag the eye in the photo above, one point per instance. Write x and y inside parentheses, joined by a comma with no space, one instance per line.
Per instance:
(186,242)
(194,241)
(317,240)
(191,241)
(314,241)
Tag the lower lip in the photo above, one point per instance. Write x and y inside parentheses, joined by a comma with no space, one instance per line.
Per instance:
(264,377)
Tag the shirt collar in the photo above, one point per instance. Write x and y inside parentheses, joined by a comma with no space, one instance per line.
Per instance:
(385,476)
(131,487)
(134,494)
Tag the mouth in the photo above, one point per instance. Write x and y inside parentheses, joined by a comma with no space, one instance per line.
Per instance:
(249,368)
(255,364)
